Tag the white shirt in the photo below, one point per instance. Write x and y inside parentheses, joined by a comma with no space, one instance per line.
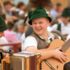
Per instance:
(22,38)
(65,29)
(30,41)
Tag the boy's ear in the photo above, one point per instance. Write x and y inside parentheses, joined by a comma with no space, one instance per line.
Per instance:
(49,23)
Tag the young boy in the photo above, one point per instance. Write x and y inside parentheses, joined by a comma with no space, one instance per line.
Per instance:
(38,41)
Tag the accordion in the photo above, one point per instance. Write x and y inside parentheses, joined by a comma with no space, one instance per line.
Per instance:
(23,61)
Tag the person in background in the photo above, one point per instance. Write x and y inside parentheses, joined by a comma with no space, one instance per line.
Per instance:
(10,11)
(3,39)
(9,33)
(20,29)
(21,6)
(56,11)
(8,6)
(22,9)
(62,23)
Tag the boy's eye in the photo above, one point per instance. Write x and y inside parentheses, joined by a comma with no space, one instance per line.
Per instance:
(40,22)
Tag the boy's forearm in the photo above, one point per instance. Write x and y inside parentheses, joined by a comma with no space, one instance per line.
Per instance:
(45,53)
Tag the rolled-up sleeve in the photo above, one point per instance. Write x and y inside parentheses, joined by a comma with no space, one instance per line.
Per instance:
(29,42)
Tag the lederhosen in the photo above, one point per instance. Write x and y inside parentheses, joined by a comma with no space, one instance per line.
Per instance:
(42,44)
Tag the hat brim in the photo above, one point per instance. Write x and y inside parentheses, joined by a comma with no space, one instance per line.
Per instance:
(49,18)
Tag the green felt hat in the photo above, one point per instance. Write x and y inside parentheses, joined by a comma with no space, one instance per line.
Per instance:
(2,25)
(66,12)
(38,13)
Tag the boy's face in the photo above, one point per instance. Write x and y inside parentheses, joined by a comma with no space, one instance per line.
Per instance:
(40,25)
